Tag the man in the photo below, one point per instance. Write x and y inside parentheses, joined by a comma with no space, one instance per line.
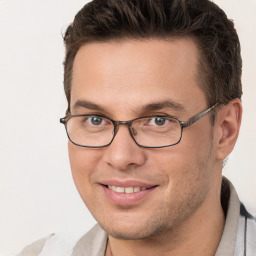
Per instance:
(154,108)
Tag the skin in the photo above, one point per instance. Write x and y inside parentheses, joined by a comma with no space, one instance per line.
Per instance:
(121,77)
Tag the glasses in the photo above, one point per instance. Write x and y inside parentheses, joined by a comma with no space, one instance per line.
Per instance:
(96,131)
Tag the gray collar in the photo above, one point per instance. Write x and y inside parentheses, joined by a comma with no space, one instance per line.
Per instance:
(227,243)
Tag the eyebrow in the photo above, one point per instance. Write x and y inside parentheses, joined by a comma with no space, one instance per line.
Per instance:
(87,104)
(144,109)
(163,104)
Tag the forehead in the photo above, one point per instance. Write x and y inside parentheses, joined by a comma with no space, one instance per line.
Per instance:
(129,73)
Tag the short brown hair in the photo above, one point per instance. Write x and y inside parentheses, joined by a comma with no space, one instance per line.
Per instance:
(220,61)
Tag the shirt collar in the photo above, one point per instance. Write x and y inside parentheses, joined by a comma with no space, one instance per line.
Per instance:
(230,199)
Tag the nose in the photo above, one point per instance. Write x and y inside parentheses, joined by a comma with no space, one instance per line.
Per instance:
(123,153)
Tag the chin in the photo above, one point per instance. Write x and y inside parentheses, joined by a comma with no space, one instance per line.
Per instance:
(134,230)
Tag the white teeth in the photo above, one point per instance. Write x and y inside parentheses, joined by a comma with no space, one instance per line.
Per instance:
(136,189)
(127,190)
(119,190)
(112,188)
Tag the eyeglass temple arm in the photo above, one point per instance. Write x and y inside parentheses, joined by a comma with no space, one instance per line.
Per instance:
(195,118)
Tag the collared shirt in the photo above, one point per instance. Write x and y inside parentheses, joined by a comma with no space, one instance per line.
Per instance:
(238,238)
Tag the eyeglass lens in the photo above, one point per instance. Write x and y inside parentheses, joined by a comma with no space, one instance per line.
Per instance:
(95,131)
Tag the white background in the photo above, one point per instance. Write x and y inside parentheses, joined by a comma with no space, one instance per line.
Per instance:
(37,194)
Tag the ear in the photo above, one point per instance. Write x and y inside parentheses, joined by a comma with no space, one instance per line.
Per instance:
(227,125)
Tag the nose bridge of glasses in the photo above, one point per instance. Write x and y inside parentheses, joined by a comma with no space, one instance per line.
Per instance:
(128,124)
(118,123)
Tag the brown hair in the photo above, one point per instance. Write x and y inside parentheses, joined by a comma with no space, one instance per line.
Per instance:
(220,61)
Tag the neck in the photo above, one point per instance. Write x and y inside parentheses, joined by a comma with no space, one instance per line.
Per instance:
(199,235)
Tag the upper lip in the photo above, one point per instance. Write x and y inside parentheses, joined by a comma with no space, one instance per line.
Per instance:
(127,183)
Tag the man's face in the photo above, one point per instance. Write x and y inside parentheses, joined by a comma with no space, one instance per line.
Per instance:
(121,78)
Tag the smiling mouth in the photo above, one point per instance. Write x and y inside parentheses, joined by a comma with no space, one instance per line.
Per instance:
(129,194)
(128,190)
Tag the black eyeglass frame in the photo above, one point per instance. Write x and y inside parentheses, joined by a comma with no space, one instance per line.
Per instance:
(183,124)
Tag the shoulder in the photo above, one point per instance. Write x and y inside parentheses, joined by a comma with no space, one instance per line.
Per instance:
(51,246)
(92,243)
(35,248)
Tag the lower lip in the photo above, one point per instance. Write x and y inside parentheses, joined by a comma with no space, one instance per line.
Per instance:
(127,198)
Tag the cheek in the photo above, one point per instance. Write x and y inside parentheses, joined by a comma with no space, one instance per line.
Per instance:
(188,162)
(174,159)
(83,162)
